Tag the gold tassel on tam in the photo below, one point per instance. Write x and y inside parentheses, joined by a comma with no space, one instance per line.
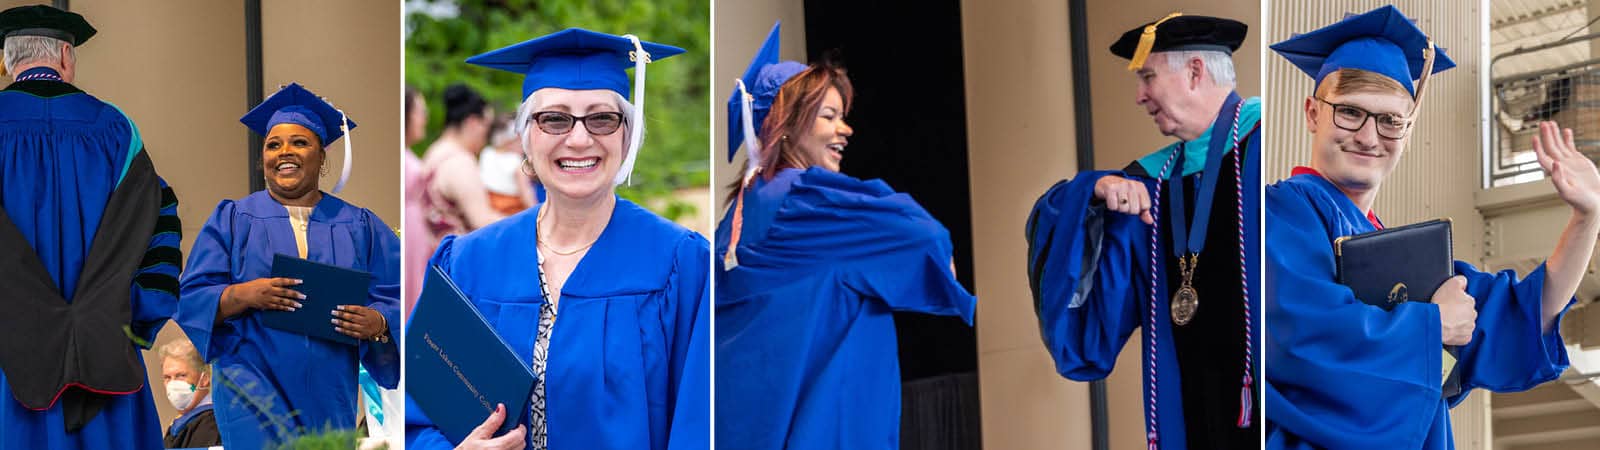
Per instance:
(1146,41)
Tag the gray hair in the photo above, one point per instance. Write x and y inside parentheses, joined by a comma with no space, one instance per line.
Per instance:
(532,104)
(181,349)
(1218,64)
(26,49)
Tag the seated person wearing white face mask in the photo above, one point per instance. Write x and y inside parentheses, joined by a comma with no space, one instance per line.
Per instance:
(188,381)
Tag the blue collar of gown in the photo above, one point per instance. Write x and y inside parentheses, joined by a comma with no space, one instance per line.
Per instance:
(626,259)
(1348,212)
(329,209)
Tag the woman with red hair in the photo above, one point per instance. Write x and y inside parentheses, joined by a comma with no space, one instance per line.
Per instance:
(811,264)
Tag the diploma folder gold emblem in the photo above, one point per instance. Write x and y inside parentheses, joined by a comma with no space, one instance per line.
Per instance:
(457,368)
(1394,265)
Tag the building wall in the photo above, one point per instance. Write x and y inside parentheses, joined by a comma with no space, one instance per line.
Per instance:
(1020,141)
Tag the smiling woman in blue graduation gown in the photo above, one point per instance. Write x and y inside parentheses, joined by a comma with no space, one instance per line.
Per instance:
(273,385)
(811,265)
(605,301)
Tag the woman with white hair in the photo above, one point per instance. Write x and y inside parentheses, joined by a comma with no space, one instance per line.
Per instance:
(607,302)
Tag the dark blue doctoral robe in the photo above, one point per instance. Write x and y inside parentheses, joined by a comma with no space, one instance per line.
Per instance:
(62,153)
(273,385)
(805,331)
(1090,272)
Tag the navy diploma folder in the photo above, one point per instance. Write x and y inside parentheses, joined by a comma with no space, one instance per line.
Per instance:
(1394,265)
(457,369)
(325,287)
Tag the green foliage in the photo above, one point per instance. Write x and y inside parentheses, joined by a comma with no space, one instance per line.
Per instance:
(677,131)
(328,438)
(127,330)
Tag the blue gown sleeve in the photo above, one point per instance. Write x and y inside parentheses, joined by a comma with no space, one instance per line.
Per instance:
(1342,373)
(155,283)
(421,433)
(1086,267)
(886,244)
(690,365)
(383,261)
(209,271)
(1509,352)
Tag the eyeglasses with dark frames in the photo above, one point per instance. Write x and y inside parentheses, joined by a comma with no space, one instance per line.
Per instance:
(559,123)
(1352,118)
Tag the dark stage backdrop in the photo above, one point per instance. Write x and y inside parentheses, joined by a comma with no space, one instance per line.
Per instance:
(905,62)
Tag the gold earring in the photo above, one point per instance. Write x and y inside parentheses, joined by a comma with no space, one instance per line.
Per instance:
(527,167)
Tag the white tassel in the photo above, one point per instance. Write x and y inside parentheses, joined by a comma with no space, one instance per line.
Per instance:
(752,145)
(344,174)
(635,130)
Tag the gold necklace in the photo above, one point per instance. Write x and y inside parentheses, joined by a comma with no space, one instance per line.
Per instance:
(539,236)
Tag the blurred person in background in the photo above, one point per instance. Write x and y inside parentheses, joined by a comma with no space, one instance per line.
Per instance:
(413,230)
(500,166)
(455,200)
(188,383)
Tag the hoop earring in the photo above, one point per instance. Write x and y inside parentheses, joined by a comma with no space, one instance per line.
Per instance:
(527,167)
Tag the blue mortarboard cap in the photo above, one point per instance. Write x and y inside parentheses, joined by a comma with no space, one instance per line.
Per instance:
(573,58)
(294,104)
(761,81)
(1382,40)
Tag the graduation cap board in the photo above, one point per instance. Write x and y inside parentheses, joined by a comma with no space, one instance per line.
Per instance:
(1382,40)
(753,95)
(294,104)
(580,59)
(748,106)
